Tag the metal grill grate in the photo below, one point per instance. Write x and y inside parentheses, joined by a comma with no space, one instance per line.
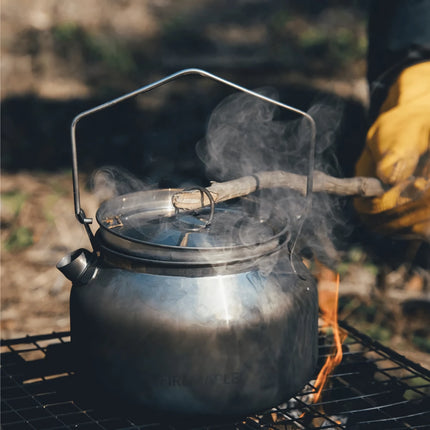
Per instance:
(373,388)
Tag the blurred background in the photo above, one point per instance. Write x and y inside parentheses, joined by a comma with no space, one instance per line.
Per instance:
(60,57)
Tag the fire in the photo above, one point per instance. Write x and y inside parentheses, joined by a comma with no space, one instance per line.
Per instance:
(328,290)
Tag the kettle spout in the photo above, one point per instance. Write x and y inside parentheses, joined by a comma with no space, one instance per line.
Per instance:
(77,266)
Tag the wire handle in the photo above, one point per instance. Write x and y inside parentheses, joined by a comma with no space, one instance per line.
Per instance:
(79,212)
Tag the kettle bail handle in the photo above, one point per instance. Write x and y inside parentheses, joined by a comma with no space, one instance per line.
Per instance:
(79,212)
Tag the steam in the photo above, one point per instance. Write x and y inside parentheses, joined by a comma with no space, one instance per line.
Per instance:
(241,135)
(246,135)
(109,181)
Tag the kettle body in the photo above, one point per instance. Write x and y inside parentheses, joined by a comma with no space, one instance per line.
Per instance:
(205,312)
(219,344)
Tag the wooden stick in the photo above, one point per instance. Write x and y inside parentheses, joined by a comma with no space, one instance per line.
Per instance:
(221,191)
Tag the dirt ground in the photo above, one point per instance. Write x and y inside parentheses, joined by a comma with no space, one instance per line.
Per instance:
(61,57)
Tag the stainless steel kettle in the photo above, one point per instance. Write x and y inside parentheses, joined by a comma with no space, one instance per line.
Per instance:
(204,312)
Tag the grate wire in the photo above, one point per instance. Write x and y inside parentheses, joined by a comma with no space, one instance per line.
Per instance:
(372,388)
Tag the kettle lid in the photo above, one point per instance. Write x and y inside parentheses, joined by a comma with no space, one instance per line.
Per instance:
(147,224)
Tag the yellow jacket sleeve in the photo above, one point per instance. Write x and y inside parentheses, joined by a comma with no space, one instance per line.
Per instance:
(397,152)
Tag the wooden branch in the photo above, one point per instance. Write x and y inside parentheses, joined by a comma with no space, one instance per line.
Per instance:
(221,191)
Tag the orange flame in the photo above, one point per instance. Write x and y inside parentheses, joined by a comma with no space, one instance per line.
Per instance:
(328,291)
(328,297)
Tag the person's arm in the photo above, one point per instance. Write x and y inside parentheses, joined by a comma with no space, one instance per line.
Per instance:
(397,144)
